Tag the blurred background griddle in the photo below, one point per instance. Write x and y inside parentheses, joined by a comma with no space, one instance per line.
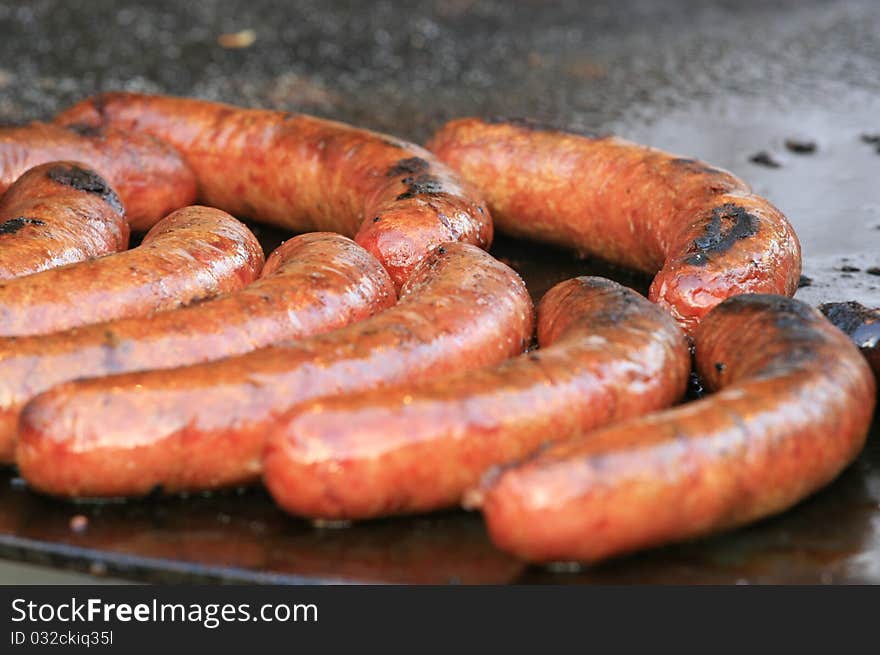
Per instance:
(786,94)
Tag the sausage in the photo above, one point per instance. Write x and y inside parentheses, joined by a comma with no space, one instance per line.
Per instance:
(861,324)
(55,214)
(793,410)
(700,229)
(311,284)
(193,253)
(606,354)
(149,176)
(204,426)
(306,174)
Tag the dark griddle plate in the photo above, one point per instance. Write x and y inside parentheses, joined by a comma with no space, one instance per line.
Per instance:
(720,81)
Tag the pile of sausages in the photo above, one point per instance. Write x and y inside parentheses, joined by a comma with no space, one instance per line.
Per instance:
(383,362)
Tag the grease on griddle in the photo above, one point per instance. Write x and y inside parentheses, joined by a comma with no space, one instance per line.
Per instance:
(764,158)
(872,139)
(800,147)
(804,281)
(739,224)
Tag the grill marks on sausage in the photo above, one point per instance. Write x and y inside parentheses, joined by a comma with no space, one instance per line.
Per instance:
(86,130)
(730,223)
(423,184)
(408,166)
(82,179)
(13,225)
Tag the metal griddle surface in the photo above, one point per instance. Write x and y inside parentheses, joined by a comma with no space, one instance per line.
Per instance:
(720,81)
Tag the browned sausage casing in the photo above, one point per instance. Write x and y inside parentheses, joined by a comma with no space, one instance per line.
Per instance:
(606,354)
(193,253)
(204,426)
(700,229)
(55,214)
(149,176)
(794,408)
(311,284)
(305,174)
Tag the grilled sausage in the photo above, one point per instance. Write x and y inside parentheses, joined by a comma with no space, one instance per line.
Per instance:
(606,354)
(311,284)
(149,176)
(794,408)
(204,426)
(55,214)
(700,229)
(305,174)
(194,253)
(861,324)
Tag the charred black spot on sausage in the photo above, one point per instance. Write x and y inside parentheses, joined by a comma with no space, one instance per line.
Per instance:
(15,224)
(408,166)
(376,219)
(419,185)
(544,126)
(83,179)
(729,224)
(84,129)
(720,366)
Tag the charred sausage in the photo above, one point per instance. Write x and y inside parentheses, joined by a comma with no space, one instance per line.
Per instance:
(793,410)
(606,354)
(204,426)
(311,284)
(149,176)
(701,230)
(193,253)
(304,174)
(55,214)
(861,324)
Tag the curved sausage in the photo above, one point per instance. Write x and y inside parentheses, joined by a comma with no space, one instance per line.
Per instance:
(149,176)
(861,324)
(606,354)
(793,411)
(193,253)
(305,174)
(311,284)
(204,426)
(700,229)
(55,214)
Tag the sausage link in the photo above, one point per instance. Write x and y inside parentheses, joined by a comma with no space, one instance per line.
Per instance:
(204,426)
(55,214)
(311,284)
(861,324)
(305,174)
(793,411)
(606,354)
(700,229)
(194,253)
(149,176)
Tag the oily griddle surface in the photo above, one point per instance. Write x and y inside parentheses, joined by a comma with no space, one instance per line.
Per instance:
(722,81)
